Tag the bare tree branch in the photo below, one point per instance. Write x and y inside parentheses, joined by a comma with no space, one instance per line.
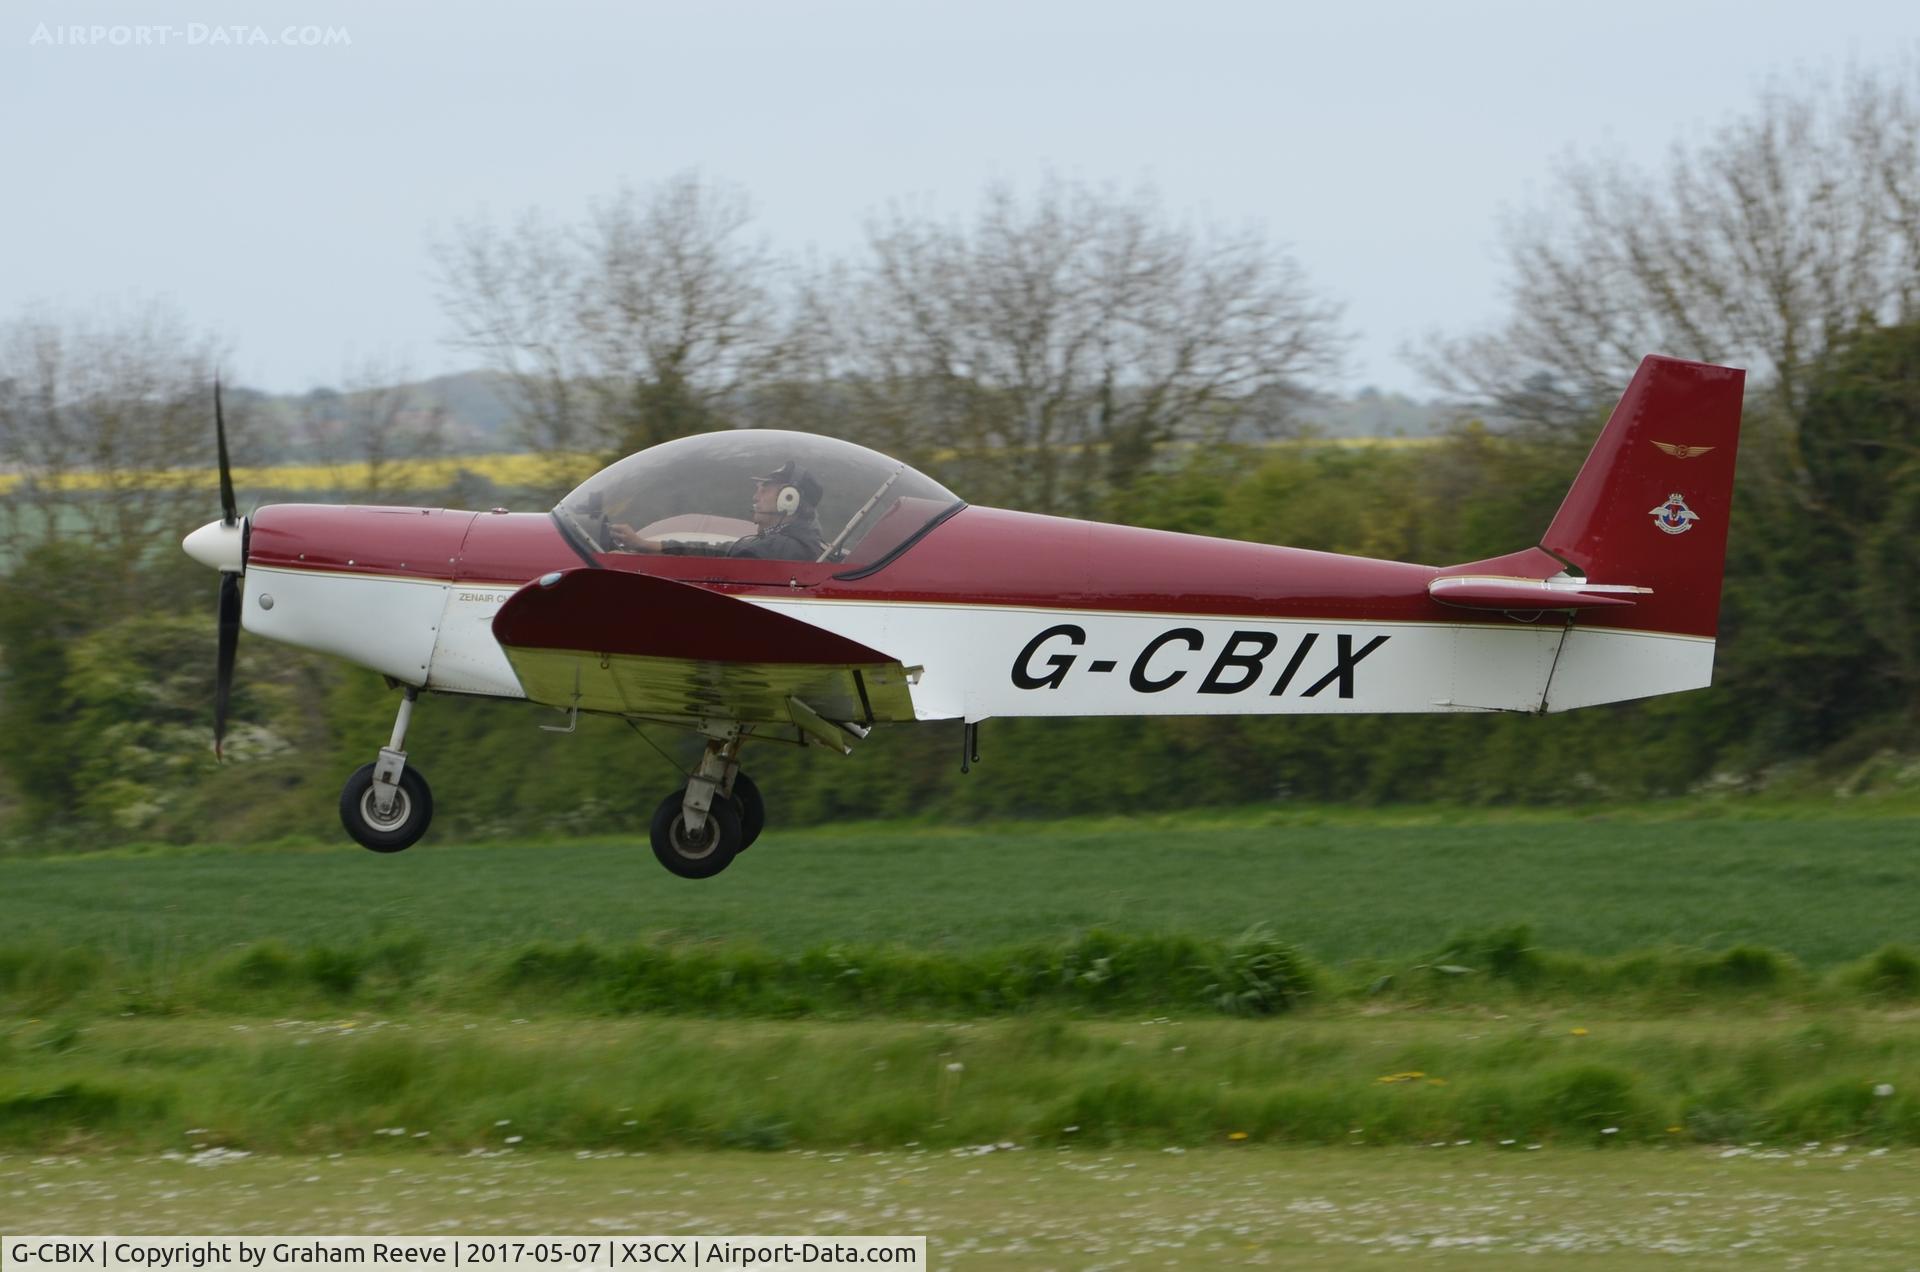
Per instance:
(1059,343)
(100,421)
(641,324)
(374,420)
(1759,245)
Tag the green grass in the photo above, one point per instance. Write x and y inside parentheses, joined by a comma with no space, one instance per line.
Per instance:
(1318,1208)
(1738,979)
(1097,974)
(454,1083)
(1342,887)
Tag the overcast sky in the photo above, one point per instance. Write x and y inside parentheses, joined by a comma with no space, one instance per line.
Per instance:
(286,196)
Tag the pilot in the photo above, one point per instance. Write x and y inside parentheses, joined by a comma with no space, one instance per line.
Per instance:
(785,508)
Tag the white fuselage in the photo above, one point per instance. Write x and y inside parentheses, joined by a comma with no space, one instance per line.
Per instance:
(981,661)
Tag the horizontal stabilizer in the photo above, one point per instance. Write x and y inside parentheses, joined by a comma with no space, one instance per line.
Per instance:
(1482,592)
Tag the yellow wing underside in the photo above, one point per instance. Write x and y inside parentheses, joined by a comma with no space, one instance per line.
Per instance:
(701,689)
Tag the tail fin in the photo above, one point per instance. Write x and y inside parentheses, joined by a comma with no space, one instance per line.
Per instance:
(1651,504)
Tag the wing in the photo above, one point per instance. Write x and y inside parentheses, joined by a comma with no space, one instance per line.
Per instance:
(637,645)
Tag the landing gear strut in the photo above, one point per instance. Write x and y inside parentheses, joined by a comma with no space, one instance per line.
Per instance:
(387,806)
(699,829)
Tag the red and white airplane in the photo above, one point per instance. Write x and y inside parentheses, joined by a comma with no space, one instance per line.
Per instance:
(646,595)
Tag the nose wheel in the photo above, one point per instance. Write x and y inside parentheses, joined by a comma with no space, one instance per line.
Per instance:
(387,806)
(400,825)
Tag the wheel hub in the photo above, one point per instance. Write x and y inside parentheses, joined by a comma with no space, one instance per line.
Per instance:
(370,810)
(691,849)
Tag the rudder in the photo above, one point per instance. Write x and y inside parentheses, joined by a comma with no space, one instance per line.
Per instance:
(1651,504)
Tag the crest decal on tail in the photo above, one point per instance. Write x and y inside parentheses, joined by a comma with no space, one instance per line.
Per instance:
(1680,450)
(1673,516)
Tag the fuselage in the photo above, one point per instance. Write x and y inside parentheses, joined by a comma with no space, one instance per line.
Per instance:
(1003,614)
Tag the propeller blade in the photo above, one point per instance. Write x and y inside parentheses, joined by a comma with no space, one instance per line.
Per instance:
(229,647)
(229,509)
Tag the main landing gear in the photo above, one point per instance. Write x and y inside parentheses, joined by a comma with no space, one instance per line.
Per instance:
(699,829)
(387,806)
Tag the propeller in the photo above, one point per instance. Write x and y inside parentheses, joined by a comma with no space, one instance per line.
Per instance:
(229,646)
(230,585)
(229,509)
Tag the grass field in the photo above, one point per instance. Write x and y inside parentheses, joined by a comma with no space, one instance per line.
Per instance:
(560,1036)
(1459,1206)
(1554,1075)
(1386,886)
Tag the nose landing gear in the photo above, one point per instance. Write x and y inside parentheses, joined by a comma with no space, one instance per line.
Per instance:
(387,806)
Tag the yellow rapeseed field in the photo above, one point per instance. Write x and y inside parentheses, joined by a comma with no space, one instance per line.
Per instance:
(502,469)
(507,470)
(408,474)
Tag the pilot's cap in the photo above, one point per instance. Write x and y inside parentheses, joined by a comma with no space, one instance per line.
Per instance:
(791,474)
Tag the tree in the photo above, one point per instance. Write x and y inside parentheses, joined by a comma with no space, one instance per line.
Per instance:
(54,596)
(106,429)
(1860,449)
(1788,242)
(376,420)
(1063,342)
(644,323)
(1759,246)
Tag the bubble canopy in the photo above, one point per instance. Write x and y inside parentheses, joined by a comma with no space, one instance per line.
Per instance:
(695,495)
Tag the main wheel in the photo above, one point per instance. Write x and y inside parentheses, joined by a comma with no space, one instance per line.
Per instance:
(753,810)
(696,856)
(399,829)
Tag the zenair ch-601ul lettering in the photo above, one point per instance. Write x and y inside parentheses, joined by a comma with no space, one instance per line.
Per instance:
(855,591)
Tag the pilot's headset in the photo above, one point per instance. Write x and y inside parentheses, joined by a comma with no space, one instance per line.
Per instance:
(798,488)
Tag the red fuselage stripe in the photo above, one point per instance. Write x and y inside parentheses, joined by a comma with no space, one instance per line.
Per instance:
(978,557)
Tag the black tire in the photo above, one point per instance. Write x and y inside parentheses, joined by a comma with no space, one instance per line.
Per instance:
(412,811)
(715,849)
(753,810)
